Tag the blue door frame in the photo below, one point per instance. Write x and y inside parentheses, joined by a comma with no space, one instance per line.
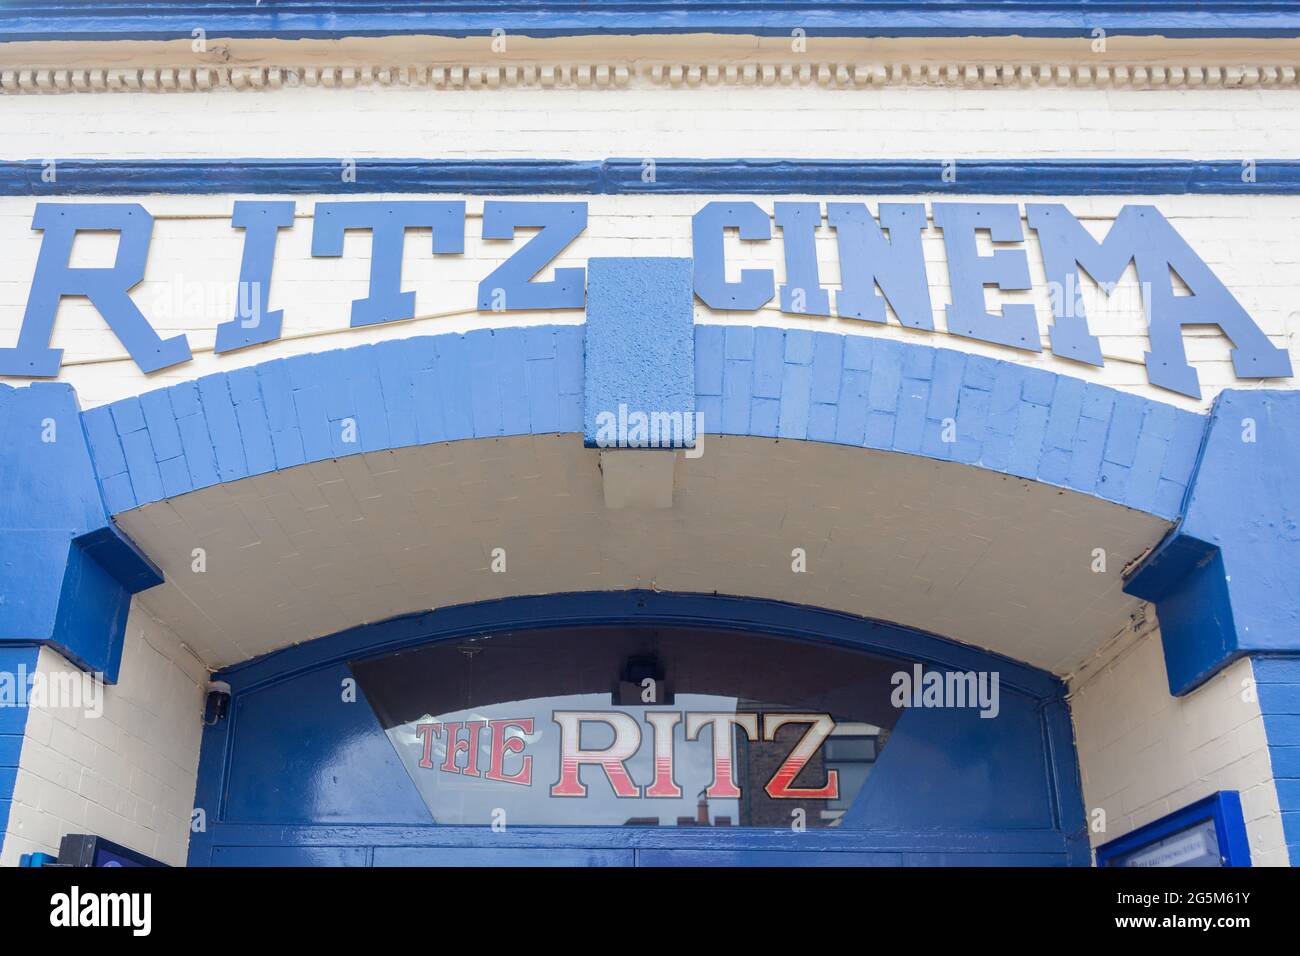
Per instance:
(290,779)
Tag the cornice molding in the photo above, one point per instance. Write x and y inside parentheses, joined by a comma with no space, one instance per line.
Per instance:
(62,20)
(673,176)
(645,62)
(838,74)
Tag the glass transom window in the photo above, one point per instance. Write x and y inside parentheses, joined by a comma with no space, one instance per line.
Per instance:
(634,726)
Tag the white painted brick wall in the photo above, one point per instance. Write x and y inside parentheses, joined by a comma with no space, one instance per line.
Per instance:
(128,774)
(707,121)
(1252,243)
(1143,753)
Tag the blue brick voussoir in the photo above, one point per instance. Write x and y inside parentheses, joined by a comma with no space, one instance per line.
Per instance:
(852,390)
(287,412)
(952,406)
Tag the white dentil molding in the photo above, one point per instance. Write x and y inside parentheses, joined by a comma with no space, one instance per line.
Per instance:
(645,62)
(834,75)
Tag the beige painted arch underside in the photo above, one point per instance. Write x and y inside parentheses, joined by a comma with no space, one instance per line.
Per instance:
(1005,564)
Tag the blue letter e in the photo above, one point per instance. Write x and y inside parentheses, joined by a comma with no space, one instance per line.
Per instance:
(107,289)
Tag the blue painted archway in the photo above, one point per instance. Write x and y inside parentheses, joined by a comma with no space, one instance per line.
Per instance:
(259,799)
(779,383)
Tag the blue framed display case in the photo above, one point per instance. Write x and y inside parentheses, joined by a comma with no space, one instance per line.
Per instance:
(1209,832)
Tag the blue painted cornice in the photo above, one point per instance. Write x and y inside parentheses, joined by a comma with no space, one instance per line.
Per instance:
(298,19)
(617,176)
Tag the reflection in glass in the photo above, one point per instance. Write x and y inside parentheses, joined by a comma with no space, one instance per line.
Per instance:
(642,726)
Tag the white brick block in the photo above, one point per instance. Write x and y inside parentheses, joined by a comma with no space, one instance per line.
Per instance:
(1171,751)
(128,774)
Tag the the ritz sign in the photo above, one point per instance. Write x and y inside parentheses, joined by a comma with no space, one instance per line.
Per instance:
(880,260)
(462,738)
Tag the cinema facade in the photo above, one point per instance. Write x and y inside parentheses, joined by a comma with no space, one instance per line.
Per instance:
(653,434)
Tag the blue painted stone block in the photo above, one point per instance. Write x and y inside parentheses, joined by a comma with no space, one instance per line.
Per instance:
(15,659)
(640,343)
(1277,681)
(1226,582)
(66,573)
